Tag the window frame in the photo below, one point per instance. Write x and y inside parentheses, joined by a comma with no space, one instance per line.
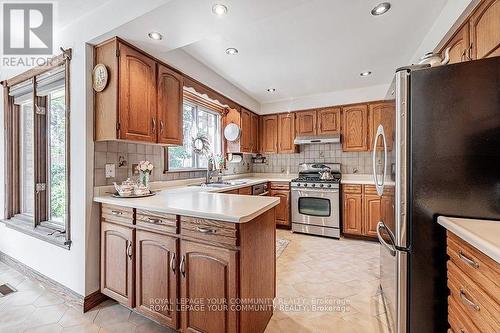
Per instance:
(40,225)
(206,106)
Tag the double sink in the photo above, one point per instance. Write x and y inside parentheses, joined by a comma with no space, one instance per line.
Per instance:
(221,184)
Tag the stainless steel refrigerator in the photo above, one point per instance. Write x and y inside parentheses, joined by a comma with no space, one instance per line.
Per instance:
(445,161)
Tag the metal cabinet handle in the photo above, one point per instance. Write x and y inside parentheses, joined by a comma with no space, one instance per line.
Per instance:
(172,263)
(467,301)
(392,249)
(162,126)
(155,221)
(154,124)
(379,185)
(206,230)
(468,260)
(129,250)
(116,212)
(181,266)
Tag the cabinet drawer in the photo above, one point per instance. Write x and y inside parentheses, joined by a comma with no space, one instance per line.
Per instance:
(280,186)
(352,188)
(474,302)
(210,230)
(157,221)
(370,189)
(459,322)
(112,213)
(477,266)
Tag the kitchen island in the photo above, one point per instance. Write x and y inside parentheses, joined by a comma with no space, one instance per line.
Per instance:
(191,260)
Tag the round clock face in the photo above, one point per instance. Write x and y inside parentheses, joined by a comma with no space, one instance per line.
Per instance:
(100,77)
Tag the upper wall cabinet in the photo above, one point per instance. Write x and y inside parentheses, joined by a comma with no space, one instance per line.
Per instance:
(249,125)
(485,30)
(479,36)
(381,114)
(270,134)
(329,121)
(286,133)
(143,99)
(169,104)
(355,128)
(306,123)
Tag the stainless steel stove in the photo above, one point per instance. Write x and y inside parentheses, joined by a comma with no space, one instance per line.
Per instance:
(316,201)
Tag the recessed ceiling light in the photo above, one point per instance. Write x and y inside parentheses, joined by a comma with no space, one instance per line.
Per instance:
(231,51)
(271,90)
(219,9)
(365,73)
(381,8)
(155,35)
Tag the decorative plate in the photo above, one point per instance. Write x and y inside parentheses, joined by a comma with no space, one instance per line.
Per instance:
(232,132)
(100,77)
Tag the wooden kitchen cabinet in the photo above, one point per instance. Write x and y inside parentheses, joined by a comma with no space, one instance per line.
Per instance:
(355,128)
(143,99)
(286,133)
(283,209)
(306,123)
(246,131)
(117,262)
(459,46)
(245,190)
(352,213)
(329,121)
(371,214)
(208,272)
(156,276)
(485,30)
(137,95)
(270,134)
(254,138)
(381,114)
(169,106)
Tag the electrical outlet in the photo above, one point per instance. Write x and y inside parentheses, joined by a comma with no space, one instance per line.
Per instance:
(135,172)
(110,171)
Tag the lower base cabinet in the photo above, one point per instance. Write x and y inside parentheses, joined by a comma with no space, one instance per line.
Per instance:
(208,277)
(282,191)
(190,278)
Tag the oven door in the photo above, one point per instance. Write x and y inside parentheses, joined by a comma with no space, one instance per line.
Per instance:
(315,207)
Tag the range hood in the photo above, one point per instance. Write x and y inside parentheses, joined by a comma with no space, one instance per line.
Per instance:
(305,140)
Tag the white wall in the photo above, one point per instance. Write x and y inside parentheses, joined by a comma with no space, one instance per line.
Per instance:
(327,99)
(77,268)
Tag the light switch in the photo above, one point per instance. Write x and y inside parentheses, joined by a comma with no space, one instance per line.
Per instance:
(110,171)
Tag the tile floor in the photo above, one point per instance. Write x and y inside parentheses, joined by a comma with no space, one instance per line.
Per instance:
(341,273)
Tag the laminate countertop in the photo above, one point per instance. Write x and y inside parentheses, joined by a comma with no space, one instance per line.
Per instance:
(484,235)
(204,201)
(363,179)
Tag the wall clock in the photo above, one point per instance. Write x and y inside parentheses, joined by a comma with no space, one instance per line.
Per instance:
(100,77)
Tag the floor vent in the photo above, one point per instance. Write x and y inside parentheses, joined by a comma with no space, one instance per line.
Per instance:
(6,289)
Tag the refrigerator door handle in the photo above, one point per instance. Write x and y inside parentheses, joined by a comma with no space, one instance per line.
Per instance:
(379,185)
(391,249)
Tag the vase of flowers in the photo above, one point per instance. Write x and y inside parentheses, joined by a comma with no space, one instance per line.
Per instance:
(145,168)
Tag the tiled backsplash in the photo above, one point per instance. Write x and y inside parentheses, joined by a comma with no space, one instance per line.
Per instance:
(112,152)
(325,153)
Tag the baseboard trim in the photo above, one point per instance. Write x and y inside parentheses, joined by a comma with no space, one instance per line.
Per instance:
(64,292)
(93,300)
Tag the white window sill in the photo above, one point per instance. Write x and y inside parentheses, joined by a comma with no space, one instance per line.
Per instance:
(41,232)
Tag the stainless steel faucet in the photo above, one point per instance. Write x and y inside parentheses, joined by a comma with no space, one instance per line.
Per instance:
(210,175)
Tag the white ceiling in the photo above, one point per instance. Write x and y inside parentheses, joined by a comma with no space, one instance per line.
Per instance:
(67,10)
(299,47)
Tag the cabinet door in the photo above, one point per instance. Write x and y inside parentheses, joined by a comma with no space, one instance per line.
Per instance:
(117,262)
(306,123)
(286,133)
(208,273)
(270,134)
(246,131)
(381,114)
(352,214)
(485,30)
(354,126)
(459,46)
(371,214)
(169,106)
(156,276)
(329,121)
(387,209)
(137,96)
(255,134)
(245,190)
(283,209)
